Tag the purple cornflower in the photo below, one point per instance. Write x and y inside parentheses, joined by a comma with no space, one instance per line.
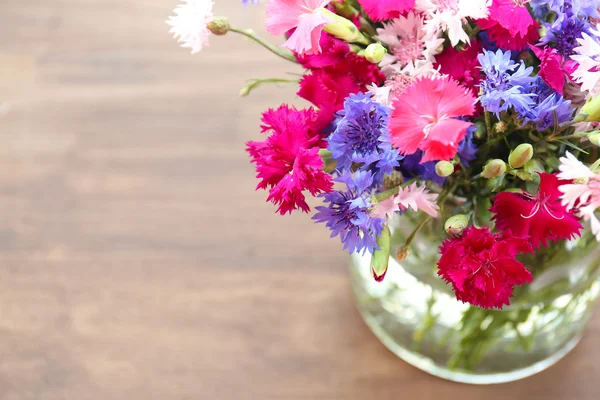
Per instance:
(467,150)
(564,34)
(362,137)
(246,2)
(546,103)
(411,167)
(502,87)
(348,213)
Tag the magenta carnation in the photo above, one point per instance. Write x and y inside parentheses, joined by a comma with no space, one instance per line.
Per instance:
(287,162)
(328,87)
(333,51)
(551,67)
(379,10)
(510,25)
(462,65)
(482,267)
(541,217)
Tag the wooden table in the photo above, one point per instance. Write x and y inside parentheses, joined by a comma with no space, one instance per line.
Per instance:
(136,259)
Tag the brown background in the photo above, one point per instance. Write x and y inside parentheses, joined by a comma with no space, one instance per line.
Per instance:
(136,260)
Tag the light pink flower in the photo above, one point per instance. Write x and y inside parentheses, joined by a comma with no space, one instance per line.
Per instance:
(584,193)
(417,198)
(450,15)
(588,71)
(188,25)
(305,16)
(408,41)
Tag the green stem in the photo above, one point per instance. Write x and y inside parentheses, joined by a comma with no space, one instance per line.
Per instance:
(488,124)
(249,33)
(256,82)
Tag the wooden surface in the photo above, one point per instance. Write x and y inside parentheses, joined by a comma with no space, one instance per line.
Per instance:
(136,260)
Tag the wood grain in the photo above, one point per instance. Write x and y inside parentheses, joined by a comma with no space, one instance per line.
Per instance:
(136,260)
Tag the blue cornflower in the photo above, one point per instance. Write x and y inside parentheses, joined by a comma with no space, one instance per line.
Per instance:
(411,167)
(502,87)
(348,213)
(467,149)
(565,34)
(546,102)
(362,137)
(582,8)
(544,113)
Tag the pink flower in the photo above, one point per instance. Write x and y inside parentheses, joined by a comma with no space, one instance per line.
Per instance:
(189,24)
(333,51)
(304,16)
(541,217)
(551,67)
(287,162)
(583,194)
(510,25)
(379,10)
(407,39)
(424,117)
(462,65)
(417,198)
(328,87)
(482,267)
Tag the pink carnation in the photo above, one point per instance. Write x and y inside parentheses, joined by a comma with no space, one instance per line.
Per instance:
(542,217)
(551,67)
(304,16)
(287,162)
(425,118)
(417,198)
(482,267)
(379,10)
(510,25)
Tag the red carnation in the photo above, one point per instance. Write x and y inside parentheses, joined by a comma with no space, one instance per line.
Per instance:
(482,267)
(541,217)
(333,51)
(328,87)
(287,162)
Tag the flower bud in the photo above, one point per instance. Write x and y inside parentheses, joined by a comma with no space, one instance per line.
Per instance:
(381,256)
(520,156)
(402,253)
(219,26)
(456,224)
(444,168)
(375,52)
(594,137)
(590,112)
(494,169)
(343,28)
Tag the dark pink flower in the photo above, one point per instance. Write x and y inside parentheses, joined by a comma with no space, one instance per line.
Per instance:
(334,50)
(379,10)
(287,162)
(542,217)
(328,87)
(510,25)
(482,267)
(551,67)
(462,65)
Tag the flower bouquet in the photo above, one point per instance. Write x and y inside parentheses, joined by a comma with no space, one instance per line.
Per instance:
(454,147)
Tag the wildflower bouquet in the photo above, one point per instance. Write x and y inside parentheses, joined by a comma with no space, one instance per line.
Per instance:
(479,114)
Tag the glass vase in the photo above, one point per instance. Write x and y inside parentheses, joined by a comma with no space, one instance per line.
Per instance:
(416,315)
